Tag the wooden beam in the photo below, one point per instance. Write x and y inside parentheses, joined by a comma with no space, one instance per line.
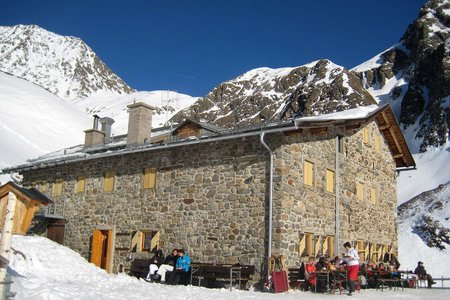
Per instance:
(394,137)
(399,155)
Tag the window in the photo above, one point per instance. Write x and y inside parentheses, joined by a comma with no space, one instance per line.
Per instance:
(340,144)
(373,195)
(377,143)
(149,180)
(308,173)
(366,136)
(145,240)
(108,181)
(306,247)
(360,191)
(79,188)
(57,187)
(330,181)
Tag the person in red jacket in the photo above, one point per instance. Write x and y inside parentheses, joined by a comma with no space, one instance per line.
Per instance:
(310,268)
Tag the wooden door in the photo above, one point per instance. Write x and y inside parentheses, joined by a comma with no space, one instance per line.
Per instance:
(55,232)
(101,249)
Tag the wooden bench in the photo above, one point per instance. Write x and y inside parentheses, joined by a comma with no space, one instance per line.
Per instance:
(211,272)
(391,282)
(139,267)
(296,278)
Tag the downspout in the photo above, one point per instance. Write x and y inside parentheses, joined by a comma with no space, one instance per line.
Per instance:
(269,252)
(336,184)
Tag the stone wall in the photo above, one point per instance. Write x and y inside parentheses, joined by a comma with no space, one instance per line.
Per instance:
(212,198)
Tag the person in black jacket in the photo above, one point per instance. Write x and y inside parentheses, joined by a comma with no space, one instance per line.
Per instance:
(169,265)
(155,262)
(422,273)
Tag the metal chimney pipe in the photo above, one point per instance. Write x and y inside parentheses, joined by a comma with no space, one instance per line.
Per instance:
(95,125)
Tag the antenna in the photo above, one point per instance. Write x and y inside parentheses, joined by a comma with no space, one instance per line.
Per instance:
(165,103)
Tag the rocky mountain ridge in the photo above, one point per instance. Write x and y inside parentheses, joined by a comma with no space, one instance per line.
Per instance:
(64,65)
(264,95)
(412,76)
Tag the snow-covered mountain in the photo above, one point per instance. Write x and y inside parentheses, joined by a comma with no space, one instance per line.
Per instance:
(64,65)
(414,77)
(34,121)
(266,94)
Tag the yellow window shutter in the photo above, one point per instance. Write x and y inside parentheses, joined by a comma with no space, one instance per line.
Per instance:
(360,191)
(108,182)
(331,246)
(317,246)
(155,241)
(57,187)
(149,178)
(366,135)
(136,241)
(373,195)
(302,245)
(80,184)
(330,181)
(377,143)
(308,173)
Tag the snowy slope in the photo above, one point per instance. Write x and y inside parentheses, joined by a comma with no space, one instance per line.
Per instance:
(42,269)
(34,121)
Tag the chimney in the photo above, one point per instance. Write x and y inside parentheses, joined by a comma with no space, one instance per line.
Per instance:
(139,123)
(106,128)
(94,137)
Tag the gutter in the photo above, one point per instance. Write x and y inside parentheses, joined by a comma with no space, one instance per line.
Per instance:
(337,207)
(269,252)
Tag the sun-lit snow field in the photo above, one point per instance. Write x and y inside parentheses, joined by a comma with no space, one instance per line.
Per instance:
(45,270)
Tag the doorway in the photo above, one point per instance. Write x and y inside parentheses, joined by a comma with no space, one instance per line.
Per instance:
(102,248)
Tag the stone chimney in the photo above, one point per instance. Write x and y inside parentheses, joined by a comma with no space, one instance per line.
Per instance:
(94,137)
(139,123)
(106,128)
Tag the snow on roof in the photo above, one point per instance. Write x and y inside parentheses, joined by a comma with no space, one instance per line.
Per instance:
(354,113)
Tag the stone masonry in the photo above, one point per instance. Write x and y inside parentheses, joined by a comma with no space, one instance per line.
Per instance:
(212,198)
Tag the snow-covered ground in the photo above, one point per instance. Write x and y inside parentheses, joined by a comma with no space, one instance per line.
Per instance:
(45,270)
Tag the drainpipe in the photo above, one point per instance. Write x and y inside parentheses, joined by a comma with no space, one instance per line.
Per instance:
(336,184)
(269,254)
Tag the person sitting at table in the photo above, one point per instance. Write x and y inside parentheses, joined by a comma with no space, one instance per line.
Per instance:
(310,277)
(422,273)
(155,262)
(321,282)
(391,260)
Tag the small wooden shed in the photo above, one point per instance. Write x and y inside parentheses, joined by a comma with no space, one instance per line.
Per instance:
(28,203)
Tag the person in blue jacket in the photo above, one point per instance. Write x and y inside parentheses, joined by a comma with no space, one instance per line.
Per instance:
(182,267)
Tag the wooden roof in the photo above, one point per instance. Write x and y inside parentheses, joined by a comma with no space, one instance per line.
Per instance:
(24,193)
(388,125)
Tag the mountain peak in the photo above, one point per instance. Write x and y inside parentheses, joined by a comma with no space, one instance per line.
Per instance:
(64,65)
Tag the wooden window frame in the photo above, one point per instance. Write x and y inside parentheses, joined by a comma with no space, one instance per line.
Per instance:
(141,240)
(328,246)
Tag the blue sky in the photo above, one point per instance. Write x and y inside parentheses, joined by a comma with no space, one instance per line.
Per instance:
(192,46)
